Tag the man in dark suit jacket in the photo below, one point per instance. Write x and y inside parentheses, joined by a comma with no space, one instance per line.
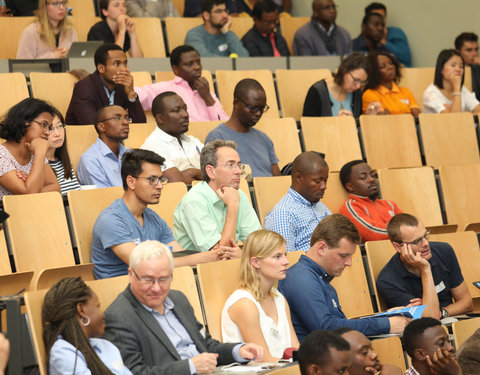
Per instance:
(110,84)
(155,327)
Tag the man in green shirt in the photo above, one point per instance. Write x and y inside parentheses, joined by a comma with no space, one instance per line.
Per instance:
(214,212)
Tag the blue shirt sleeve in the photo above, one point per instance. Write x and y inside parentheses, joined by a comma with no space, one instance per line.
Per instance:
(90,172)
(397,44)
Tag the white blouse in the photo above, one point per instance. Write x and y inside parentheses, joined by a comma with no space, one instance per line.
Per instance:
(434,101)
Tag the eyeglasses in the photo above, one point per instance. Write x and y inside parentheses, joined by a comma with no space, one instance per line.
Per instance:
(151,282)
(356,80)
(232,165)
(254,109)
(45,125)
(119,118)
(154,180)
(220,11)
(418,241)
(58,128)
(329,7)
(58,4)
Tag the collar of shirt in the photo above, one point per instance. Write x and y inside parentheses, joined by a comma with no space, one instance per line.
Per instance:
(167,304)
(105,150)
(211,194)
(330,31)
(181,82)
(167,138)
(360,198)
(300,198)
(319,270)
(384,91)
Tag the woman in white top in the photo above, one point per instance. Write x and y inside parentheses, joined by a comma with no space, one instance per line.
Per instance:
(447,93)
(257,312)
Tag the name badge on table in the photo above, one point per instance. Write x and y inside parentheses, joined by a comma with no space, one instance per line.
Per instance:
(334,303)
(439,287)
(223,47)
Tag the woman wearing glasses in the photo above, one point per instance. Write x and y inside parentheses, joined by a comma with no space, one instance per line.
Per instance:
(72,324)
(23,166)
(383,96)
(51,35)
(57,154)
(257,312)
(342,95)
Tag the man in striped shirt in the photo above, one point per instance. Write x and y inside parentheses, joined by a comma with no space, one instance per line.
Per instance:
(363,207)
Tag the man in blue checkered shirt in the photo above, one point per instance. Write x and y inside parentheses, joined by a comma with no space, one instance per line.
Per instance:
(297,214)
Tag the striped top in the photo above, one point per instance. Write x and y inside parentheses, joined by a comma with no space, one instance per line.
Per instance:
(65,185)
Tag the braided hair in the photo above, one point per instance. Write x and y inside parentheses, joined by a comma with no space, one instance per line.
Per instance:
(59,317)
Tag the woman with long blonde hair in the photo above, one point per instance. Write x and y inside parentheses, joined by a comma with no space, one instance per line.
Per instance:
(50,35)
(257,312)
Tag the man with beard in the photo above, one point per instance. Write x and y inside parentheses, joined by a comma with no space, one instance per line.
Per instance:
(296,215)
(322,36)
(369,214)
(422,272)
(254,146)
(202,104)
(214,38)
(364,359)
(169,139)
(370,39)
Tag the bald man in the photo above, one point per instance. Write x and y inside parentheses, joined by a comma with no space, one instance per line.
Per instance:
(297,214)
(254,146)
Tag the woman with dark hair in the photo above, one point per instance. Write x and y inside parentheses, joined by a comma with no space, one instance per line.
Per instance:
(23,166)
(447,92)
(342,95)
(57,154)
(72,322)
(382,92)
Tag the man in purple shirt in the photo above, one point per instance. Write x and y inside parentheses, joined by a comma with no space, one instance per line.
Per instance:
(189,84)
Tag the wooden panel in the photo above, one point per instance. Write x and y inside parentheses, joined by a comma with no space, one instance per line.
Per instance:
(138,134)
(463,329)
(50,276)
(150,36)
(289,26)
(449,138)
(141,78)
(268,191)
(177,29)
(240,25)
(336,137)
(200,129)
(11,28)
(292,96)
(84,24)
(390,141)
(417,80)
(335,195)
(80,138)
(184,280)
(14,88)
(390,351)
(172,194)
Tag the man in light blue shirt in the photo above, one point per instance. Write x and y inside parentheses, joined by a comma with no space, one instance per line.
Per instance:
(100,164)
(296,215)
(155,327)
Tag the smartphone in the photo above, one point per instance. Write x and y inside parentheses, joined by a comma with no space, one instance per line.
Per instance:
(477,284)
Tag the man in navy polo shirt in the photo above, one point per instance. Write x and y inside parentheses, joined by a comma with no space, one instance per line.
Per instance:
(422,272)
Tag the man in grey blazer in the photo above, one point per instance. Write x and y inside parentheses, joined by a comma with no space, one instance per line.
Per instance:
(155,327)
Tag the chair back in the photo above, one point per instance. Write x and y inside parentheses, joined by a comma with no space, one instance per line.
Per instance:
(13,27)
(150,36)
(138,134)
(417,80)
(335,194)
(289,26)
(79,139)
(172,194)
(200,129)
(463,329)
(389,350)
(14,85)
(141,79)
(268,191)
(177,29)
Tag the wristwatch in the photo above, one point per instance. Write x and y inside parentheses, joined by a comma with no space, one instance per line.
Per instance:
(445,313)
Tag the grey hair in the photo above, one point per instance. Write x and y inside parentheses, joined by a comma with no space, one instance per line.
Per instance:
(208,156)
(148,250)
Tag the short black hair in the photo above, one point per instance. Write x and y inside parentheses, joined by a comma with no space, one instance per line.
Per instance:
(176,54)
(442,58)
(375,6)
(316,347)
(14,124)
(132,161)
(366,18)
(246,85)
(207,5)
(354,61)
(157,104)
(101,54)
(99,115)
(103,4)
(346,171)
(263,6)
(341,331)
(374,76)
(413,332)
(465,37)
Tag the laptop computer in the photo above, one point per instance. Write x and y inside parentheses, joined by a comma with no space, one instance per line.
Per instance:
(84,49)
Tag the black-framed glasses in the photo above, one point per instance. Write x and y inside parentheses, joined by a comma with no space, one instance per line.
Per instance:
(253,109)
(119,118)
(418,241)
(163,281)
(57,127)
(154,180)
(44,125)
(356,80)
(58,4)
(220,11)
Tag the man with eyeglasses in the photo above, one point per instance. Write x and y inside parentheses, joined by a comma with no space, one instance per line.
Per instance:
(254,146)
(265,38)
(128,220)
(215,212)
(422,272)
(110,84)
(364,208)
(155,328)
(214,38)
(322,36)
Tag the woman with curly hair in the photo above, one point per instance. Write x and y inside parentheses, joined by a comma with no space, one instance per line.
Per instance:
(23,166)
(72,322)
(383,96)
(51,35)
(257,312)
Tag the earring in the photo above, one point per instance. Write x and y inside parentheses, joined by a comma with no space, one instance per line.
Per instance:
(85,321)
